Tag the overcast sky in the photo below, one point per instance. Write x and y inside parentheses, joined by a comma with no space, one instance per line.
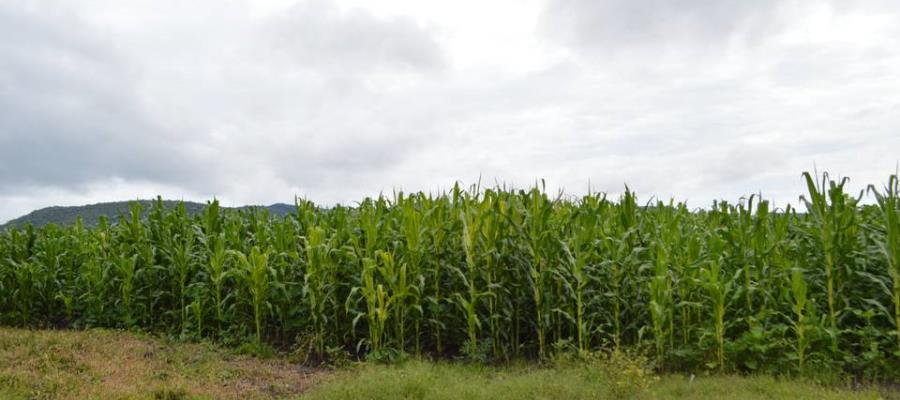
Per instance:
(256,102)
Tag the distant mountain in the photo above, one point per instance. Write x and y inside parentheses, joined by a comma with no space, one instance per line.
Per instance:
(91,213)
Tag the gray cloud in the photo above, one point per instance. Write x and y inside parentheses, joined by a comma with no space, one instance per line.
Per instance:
(286,97)
(612,27)
(69,111)
(317,34)
(692,22)
(339,100)
(736,97)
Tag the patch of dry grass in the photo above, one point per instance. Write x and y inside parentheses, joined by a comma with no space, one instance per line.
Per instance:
(104,364)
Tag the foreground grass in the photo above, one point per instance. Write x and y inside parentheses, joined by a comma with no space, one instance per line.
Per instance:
(425,380)
(103,364)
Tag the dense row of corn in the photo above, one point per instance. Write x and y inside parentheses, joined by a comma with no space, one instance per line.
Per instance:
(491,274)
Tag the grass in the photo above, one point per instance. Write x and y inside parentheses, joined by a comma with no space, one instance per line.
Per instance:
(427,380)
(104,364)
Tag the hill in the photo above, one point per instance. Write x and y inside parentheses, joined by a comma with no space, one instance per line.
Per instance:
(91,213)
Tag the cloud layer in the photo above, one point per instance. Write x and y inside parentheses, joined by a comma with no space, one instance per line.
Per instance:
(255,102)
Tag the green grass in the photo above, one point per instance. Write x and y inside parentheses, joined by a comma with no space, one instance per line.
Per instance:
(428,380)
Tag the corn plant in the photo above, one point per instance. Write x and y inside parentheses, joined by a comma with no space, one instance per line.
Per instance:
(469,301)
(718,287)
(217,272)
(414,234)
(126,271)
(580,251)
(800,303)
(316,285)
(435,220)
(181,254)
(834,226)
(378,304)
(537,211)
(889,247)
(255,273)
(490,273)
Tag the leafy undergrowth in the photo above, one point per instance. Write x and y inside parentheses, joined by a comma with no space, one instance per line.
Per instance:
(103,364)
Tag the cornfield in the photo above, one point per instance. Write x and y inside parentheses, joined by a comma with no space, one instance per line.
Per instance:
(491,274)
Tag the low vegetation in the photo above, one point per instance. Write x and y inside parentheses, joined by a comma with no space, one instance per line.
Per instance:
(103,364)
(491,275)
(422,380)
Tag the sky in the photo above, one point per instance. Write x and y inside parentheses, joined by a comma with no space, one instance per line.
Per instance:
(256,102)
